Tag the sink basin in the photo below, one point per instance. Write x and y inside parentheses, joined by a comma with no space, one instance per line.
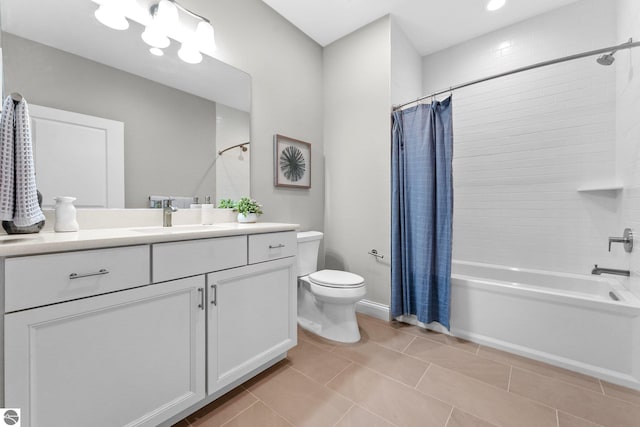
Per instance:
(176,229)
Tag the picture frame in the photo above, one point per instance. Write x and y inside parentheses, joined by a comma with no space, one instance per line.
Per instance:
(291,162)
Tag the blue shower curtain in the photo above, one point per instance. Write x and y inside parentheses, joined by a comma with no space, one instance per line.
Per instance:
(422,211)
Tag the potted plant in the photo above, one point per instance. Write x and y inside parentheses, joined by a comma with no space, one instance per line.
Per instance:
(226,204)
(248,210)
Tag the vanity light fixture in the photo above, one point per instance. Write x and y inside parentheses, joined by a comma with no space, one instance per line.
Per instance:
(167,18)
(110,14)
(494,5)
(189,53)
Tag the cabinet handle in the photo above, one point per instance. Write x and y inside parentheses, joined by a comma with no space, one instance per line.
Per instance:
(214,289)
(78,276)
(201,305)
(276,246)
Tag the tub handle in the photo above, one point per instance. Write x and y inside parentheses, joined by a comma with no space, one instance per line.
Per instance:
(626,239)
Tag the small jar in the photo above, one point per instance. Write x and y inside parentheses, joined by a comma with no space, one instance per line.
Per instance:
(65,215)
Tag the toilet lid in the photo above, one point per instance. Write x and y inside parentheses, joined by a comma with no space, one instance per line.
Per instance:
(336,279)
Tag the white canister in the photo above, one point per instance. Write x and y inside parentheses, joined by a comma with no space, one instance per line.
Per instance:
(65,215)
(207,214)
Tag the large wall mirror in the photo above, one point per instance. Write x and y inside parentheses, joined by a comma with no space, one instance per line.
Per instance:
(176,117)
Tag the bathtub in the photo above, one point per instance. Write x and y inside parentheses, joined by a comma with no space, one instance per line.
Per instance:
(589,324)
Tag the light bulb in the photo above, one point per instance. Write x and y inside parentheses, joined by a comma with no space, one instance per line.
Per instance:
(154,37)
(205,36)
(109,15)
(495,5)
(155,51)
(189,53)
(166,15)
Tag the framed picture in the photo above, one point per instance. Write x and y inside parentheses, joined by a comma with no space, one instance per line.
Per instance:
(292,162)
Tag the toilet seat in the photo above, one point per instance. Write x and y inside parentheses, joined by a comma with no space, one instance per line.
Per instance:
(336,279)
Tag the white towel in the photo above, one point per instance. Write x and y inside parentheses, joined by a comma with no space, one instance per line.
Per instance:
(18,197)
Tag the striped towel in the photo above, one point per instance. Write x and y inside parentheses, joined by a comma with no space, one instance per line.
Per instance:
(18,197)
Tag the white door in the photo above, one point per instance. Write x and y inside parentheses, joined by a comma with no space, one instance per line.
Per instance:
(251,318)
(134,357)
(78,155)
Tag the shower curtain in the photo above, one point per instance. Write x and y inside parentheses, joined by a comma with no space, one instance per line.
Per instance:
(422,211)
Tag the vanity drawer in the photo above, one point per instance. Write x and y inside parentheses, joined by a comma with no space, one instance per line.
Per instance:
(265,247)
(174,260)
(33,281)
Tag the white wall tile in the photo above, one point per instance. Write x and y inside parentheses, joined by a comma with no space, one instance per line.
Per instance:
(523,144)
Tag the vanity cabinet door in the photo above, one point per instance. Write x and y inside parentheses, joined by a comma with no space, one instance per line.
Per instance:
(135,357)
(252,317)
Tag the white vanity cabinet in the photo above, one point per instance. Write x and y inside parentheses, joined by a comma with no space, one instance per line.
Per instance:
(143,335)
(134,357)
(251,318)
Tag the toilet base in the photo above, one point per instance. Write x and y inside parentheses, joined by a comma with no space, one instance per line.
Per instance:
(331,318)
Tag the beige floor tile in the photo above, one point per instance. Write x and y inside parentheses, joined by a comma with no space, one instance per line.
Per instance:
(382,333)
(541,368)
(485,401)
(397,403)
(359,417)
(315,362)
(258,415)
(315,339)
(387,362)
(299,399)
(449,357)
(462,419)
(624,393)
(568,420)
(435,336)
(223,409)
(575,400)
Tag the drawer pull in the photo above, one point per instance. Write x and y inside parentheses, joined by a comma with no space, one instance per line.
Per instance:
(276,246)
(79,276)
(214,289)
(201,305)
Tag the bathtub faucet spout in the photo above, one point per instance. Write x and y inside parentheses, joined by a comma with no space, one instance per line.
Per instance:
(598,270)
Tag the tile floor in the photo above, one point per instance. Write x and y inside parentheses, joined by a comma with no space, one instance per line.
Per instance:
(400,375)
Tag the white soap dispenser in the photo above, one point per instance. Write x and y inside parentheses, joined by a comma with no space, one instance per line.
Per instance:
(65,215)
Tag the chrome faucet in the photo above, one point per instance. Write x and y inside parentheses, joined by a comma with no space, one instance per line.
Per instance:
(167,211)
(626,239)
(597,270)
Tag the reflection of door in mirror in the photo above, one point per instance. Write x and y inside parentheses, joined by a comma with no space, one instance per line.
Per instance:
(67,145)
(170,110)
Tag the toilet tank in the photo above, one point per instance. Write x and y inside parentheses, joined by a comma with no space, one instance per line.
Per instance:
(308,245)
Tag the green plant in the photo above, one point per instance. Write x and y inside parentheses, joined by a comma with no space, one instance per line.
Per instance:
(246,206)
(226,204)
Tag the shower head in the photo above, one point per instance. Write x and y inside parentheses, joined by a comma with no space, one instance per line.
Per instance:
(606,59)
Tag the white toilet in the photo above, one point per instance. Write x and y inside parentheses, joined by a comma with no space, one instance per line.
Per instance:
(326,298)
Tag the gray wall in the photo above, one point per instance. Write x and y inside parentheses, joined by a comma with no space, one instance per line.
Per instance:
(169,134)
(357,93)
(286,75)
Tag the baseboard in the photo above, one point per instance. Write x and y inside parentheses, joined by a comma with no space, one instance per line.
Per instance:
(373,309)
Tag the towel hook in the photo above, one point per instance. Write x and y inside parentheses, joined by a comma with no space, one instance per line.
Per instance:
(16,97)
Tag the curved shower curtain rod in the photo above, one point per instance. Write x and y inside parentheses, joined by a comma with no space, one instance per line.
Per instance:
(627,45)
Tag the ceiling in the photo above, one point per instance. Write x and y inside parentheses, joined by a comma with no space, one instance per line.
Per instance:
(431,25)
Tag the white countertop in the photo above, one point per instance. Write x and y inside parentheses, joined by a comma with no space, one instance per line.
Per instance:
(49,241)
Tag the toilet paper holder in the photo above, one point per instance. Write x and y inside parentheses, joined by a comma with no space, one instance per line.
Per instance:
(374,252)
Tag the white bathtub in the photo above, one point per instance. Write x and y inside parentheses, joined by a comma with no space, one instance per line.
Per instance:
(589,324)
